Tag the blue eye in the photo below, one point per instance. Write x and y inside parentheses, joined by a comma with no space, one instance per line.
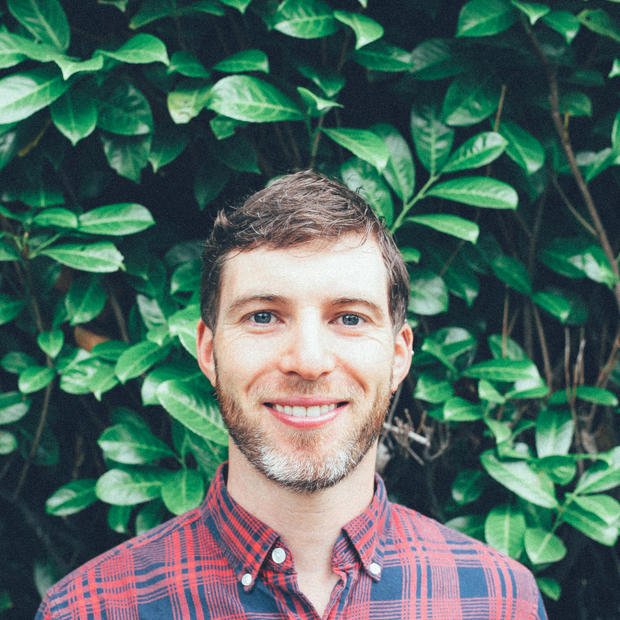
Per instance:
(262,318)
(351,320)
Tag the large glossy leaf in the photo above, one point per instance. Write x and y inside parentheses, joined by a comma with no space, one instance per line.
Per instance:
(543,547)
(240,5)
(533,10)
(449,224)
(504,529)
(13,407)
(245,60)
(45,19)
(124,110)
(381,56)
(563,22)
(399,171)
(305,19)
(187,101)
(85,300)
(431,137)
(432,388)
(437,58)
(483,18)
(71,498)
(98,257)
(56,217)
(126,487)
(34,378)
(470,100)
(124,218)
(590,524)
(315,105)
(185,63)
(327,79)
(554,432)
(478,192)
(503,370)
(518,477)
(599,21)
(8,442)
(478,151)
(458,409)
(364,179)
(247,98)
(597,395)
(10,52)
(565,305)
(23,94)
(184,491)
(468,486)
(128,155)
(140,49)
(605,507)
(366,29)
(429,294)
(194,408)
(10,307)
(132,445)
(523,148)
(75,114)
(512,272)
(138,359)
(167,145)
(363,143)
(602,475)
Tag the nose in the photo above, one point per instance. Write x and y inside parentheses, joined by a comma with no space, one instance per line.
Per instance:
(308,351)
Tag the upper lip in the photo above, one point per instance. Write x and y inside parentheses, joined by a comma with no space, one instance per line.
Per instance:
(304,401)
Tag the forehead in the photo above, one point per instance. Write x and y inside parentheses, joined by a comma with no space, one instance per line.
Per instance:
(349,267)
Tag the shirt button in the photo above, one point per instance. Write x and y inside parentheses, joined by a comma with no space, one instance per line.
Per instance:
(246,580)
(278,555)
(375,569)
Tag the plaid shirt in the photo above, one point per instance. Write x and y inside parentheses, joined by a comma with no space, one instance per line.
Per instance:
(220,562)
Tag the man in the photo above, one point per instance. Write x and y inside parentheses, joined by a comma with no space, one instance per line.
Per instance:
(304,337)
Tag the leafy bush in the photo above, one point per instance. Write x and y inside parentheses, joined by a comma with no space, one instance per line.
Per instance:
(485,133)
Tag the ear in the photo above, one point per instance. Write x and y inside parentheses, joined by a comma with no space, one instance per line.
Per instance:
(403,352)
(204,350)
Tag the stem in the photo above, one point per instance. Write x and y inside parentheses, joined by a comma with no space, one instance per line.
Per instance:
(543,347)
(407,206)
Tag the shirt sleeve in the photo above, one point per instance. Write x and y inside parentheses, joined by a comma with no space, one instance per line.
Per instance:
(541,614)
(43,613)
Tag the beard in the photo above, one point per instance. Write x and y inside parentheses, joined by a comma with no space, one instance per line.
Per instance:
(301,465)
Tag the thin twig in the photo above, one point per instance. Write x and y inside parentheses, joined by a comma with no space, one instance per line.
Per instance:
(403,431)
(571,207)
(543,347)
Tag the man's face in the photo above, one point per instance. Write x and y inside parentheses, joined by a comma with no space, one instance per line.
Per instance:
(304,358)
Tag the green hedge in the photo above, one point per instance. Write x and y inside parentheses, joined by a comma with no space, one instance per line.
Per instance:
(485,133)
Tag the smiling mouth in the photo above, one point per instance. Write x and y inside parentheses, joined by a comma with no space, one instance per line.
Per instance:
(298,411)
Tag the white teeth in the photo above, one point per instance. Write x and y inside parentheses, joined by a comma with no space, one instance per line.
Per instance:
(301,412)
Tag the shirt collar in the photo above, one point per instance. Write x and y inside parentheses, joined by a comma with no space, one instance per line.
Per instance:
(246,541)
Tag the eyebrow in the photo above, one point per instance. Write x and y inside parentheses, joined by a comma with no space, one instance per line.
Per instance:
(360,301)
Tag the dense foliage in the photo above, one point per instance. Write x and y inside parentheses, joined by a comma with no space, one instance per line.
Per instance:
(487,135)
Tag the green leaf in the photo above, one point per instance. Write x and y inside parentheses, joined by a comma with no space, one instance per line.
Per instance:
(10,52)
(458,409)
(184,491)
(567,306)
(103,380)
(194,408)
(472,525)
(16,361)
(305,19)
(315,105)
(165,372)
(503,346)
(503,370)
(366,29)
(131,486)
(120,219)
(554,432)
(504,529)
(364,179)
(71,498)
(563,22)
(8,251)
(603,506)
(44,19)
(240,5)
(8,443)
(590,524)
(450,224)
(399,171)
(23,94)
(518,477)
(381,56)
(51,342)
(138,359)
(99,257)
(601,476)
(435,59)
(615,68)
(501,431)
(561,469)
(533,10)
(140,49)
(477,151)
(543,547)
(597,20)
(363,143)
(86,299)
(249,99)
(68,66)
(470,99)
(238,154)
(477,191)
(185,63)
(124,110)
(34,378)
(10,307)
(75,115)
(512,272)
(523,148)
(468,486)
(245,60)
(186,102)
(56,217)
(431,388)
(209,181)
(132,445)
(118,518)
(13,407)
(410,255)
(128,155)
(483,18)
(432,139)
(597,395)
(167,145)
(326,79)
(429,294)
(549,587)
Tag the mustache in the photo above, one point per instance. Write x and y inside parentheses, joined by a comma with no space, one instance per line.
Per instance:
(297,386)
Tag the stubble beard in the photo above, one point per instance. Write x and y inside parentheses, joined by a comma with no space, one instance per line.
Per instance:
(301,466)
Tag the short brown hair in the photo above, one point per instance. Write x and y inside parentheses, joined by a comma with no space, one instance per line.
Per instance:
(296,209)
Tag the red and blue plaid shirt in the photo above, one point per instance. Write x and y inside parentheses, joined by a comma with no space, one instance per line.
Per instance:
(220,562)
